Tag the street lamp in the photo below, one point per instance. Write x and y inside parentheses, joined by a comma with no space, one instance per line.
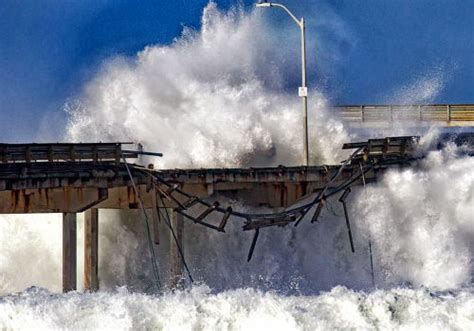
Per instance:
(303,90)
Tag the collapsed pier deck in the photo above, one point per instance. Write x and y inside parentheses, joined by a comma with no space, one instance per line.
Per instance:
(76,178)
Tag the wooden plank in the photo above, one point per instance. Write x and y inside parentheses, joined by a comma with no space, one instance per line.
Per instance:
(91,250)
(69,252)
(176,261)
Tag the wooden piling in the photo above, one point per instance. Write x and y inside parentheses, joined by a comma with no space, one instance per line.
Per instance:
(69,252)
(155,215)
(176,261)
(91,250)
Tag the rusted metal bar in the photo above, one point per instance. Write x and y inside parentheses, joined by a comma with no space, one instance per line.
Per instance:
(132,152)
(371,263)
(263,223)
(252,246)
(69,252)
(205,213)
(303,214)
(318,210)
(342,199)
(168,194)
(226,216)
(191,202)
(91,249)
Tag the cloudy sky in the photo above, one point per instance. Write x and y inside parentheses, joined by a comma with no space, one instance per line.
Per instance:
(371,51)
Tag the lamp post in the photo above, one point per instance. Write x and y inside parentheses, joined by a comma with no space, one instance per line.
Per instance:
(303,90)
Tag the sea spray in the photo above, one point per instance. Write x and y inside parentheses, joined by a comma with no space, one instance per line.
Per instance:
(420,221)
(211,99)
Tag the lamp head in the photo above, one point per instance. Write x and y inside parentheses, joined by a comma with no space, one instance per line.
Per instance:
(263,4)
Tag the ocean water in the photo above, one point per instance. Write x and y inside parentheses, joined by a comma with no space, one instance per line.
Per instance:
(240,309)
(212,99)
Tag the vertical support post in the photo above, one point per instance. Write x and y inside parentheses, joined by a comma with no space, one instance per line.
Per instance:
(305,92)
(155,215)
(91,250)
(176,261)
(69,252)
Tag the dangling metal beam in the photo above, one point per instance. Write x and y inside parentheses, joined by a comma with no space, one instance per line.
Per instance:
(342,199)
(254,242)
(226,216)
(319,208)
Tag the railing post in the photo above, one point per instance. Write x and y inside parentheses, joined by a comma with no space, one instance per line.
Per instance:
(448,113)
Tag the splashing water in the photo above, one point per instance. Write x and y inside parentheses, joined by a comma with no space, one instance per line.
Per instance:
(203,101)
(213,99)
(242,309)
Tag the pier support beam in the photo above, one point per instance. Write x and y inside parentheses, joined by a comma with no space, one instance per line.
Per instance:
(155,214)
(176,261)
(91,250)
(69,252)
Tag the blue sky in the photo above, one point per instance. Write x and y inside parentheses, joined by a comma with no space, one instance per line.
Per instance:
(366,51)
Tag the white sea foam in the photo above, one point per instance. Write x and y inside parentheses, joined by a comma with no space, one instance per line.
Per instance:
(421,221)
(242,309)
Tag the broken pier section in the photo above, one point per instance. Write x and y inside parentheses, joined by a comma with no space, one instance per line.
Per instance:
(76,178)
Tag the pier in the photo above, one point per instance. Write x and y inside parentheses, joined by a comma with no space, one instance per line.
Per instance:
(83,178)
(86,177)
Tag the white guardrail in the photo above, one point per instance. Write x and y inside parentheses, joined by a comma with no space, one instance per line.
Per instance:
(389,113)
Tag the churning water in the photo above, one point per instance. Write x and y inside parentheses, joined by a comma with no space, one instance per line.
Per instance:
(214,99)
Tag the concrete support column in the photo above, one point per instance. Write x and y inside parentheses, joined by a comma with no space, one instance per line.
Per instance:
(91,250)
(69,252)
(176,261)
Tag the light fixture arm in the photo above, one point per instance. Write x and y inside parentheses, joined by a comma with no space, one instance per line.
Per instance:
(297,21)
